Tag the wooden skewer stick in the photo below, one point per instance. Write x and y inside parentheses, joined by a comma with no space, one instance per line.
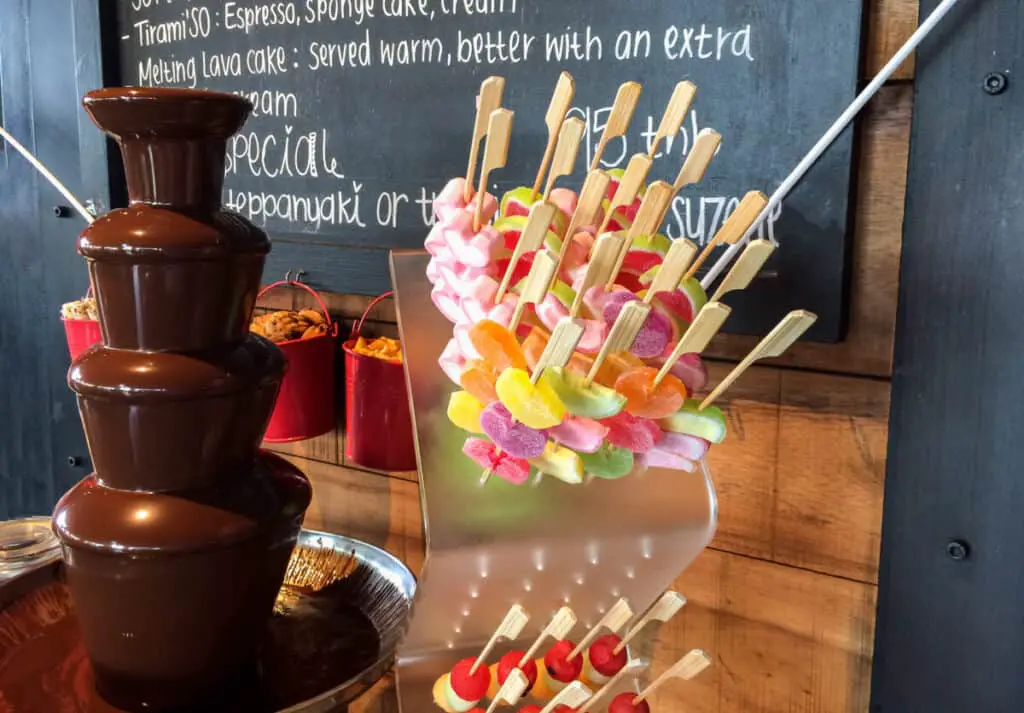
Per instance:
(663,610)
(573,695)
(499,131)
(675,113)
(753,258)
(686,668)
(648,220)
(632,179)
(558,628)
(618,121)
(613,620)
(602,262)
(561,100)
(510,629)
(622,334)
(565,154)
(791,328)
(696,338)
(632,668)
(672,268)
(511,691)
(54,181)
(532,237)
(696,165)
(592,194)
(487,101)
(561,345)
(734,228)
(541,274)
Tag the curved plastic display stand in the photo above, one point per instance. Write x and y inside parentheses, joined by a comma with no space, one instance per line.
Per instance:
(542,546)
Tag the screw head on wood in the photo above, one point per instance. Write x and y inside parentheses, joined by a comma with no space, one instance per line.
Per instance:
(74,461)
(995,83)
(61,211)
(957,550)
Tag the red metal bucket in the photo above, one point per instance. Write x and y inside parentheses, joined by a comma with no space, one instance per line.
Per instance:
(305,405)
(377,421)
(81,334)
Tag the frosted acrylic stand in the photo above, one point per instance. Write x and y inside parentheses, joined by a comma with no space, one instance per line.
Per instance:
(541,546)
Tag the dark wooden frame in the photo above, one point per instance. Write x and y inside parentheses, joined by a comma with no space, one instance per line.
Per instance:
(950,627)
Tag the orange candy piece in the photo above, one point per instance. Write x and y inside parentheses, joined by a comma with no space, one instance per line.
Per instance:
(615,366)
(478,379)
(537,341)
(646,400)
(497,345)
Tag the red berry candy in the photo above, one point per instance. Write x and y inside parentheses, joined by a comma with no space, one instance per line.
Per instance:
(602,658)
(530,709)
(510,661)
(470,687)
(557,663)
(623,703)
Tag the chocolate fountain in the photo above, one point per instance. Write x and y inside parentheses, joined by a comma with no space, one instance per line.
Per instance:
(176,547)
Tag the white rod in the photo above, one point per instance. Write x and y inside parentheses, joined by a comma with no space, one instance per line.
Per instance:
(47,175)
(831,135)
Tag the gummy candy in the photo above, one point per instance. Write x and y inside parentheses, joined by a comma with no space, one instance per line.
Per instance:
(497,345)
(537,406)
(646,400)
(516,439)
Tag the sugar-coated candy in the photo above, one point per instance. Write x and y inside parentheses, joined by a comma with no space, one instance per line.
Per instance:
(689,369)
(473,248)
(559,462)
(582,435)
(655,334)
(631,432)
(677,451)
(645,252)
(538,406)
(614,366)
(516,439)
(623,703)
(518,201)
(685,301)
(581,399)
(478,378)
(555,307)
(608,462)
(646,400)
(708,423)
(497,346)
(464,410)
(535,344)
(488,456)
(565,200)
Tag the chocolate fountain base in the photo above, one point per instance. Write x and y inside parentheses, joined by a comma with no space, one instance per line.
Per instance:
(338,619)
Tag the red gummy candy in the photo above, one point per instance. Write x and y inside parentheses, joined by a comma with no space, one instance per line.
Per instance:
(631,432)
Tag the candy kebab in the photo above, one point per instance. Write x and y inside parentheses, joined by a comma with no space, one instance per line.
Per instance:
(568,699)
(558,628)
(563,663)
(466,684)
(633,668)
(606,656)
(515,686)
(625,188)
(686,668)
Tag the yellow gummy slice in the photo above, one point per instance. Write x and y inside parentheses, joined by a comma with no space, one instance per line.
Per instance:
(464,411)
(536,406)
(559,462)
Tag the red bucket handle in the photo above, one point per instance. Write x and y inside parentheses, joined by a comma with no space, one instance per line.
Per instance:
(357,327)
(301,285)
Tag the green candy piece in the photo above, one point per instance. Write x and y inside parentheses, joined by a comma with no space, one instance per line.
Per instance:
(589,401)
(708,424)
(610,462)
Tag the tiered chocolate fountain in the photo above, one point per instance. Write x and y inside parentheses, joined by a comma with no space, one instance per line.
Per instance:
(176,546)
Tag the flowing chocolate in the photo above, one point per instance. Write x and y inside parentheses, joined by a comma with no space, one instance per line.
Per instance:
(176,546)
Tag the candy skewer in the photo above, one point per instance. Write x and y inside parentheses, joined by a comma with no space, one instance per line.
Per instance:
(565,154)
(625,193)
(532,237)
(833,133)
(561,100)
(618,121)
(499,131)
(686,668)
(562,343)
(733,229)
(621,336)
(54,181)
(630,669)
(672,269)
(696,338)
(509,629)
(613,620)
(648,219)
(754,256)
(573,695)
(488,100)
(591,196)
(792,326)
(511,691)
(602,262)
(675,113)
(663,610)
(542,272)
(558,628)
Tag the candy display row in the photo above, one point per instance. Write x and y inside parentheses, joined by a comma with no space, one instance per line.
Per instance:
(567,674)
(577,326)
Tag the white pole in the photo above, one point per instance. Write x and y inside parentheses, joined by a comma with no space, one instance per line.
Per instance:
(834,131)
(47,175)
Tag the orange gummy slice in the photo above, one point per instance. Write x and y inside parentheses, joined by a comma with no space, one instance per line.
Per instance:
(478,379)
(615,366)
(646,400)
(537,341)
(497,345)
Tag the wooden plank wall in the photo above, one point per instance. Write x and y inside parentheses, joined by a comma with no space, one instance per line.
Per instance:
(785,598)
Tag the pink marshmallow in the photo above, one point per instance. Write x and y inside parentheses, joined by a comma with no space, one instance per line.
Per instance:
(469,248)
(461,333)
(450,202)
(551,311)
(448,304)
(565,199)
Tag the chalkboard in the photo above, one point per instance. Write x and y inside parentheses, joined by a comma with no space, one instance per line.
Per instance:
(364,109)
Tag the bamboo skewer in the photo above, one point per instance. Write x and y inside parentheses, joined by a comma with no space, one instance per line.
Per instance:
(536,286)
(675,114)
(487,101)
(565,153)
(561,100)
(632,179)
(745,214)
(591,196)
(511,691)
(613,620)
(618,121)
(697,337)
(754,256)
(663,610)
(630,669)
(561,624)
(573,695)
(499,131)
(511,627)
(530,240)
(686,668)
(647,222)
(602,262)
